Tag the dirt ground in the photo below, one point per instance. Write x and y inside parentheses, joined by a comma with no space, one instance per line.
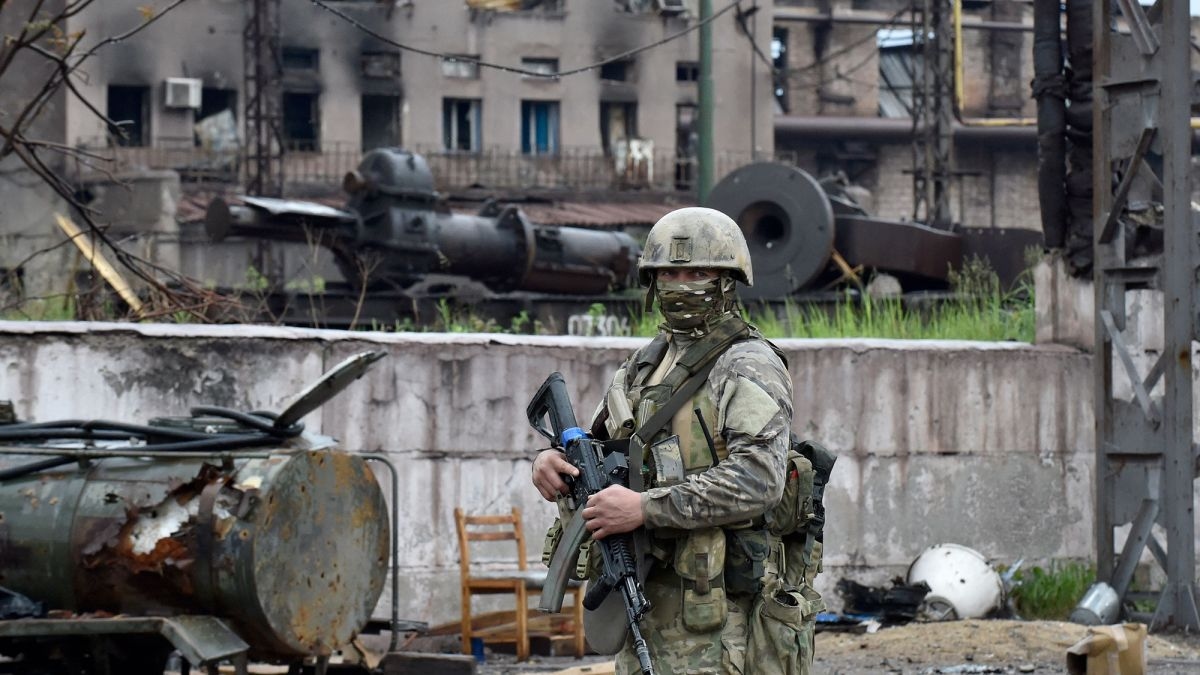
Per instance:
(934,648)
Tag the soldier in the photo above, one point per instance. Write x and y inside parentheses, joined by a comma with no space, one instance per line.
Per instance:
(719,602)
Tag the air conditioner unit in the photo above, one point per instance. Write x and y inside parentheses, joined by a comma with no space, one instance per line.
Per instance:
(183,92)
(672,6)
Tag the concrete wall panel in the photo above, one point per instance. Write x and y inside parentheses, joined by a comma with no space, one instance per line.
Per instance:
(987,445)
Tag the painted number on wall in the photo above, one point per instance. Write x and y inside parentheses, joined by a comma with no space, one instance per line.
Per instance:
(604,325)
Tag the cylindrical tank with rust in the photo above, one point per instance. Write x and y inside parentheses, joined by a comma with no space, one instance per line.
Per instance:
(290,548)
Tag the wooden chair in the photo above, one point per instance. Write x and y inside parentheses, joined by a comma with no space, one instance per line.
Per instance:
(501,581)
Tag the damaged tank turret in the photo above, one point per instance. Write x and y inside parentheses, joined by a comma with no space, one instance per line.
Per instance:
(396,229)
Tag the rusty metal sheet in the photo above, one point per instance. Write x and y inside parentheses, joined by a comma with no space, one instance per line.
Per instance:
(893,246)
(200,639)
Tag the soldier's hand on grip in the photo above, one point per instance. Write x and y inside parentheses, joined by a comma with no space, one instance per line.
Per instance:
(548,468)
(614,510)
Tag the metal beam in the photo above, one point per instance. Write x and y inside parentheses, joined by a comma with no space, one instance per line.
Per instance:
(1157,51)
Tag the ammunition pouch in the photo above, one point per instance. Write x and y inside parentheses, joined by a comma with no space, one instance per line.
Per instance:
(700,564)
(551,542)
(746,552)
(781,624)
(795,509)
(666,463)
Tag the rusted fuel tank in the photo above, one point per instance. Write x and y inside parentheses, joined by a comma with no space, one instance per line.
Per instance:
(233,535)
(396,226)
(291,547)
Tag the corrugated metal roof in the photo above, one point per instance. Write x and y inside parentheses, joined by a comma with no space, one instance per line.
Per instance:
(191,208)
(596,214)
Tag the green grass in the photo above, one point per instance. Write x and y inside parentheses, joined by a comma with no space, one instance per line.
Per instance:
(982,310)
(1051,593)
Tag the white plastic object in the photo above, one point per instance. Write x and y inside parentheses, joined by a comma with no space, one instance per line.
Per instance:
(962,584)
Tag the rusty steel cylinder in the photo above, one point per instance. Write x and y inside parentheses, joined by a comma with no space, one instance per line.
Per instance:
(291,549)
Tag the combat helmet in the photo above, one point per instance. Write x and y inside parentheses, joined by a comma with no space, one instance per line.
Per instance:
(696,237)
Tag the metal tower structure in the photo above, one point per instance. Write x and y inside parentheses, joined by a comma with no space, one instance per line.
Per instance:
(933,112)
(263,73)
(1145,452)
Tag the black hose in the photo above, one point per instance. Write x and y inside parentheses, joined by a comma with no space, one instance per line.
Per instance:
(256,421)
(1049,88)
(261,430)
(65,432)
(32,467)
(145,430)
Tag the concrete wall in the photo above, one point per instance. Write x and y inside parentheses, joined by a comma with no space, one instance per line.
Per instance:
(984,444)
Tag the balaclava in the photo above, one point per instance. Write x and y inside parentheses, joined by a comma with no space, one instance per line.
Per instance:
(690,307)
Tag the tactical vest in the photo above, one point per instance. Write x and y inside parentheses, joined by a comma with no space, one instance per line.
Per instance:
(710,561)
(798,519)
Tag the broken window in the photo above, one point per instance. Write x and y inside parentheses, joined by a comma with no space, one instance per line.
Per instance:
(686,144)
(213,101)
(899,60)
(381,65)
(380,122)
(461,66)
(129,107)
(617,71)
(460,124)
(211,131)
(687,71)
(301,59)
(779,64)
(540,66)
(301,121)
(539,127)
(618,124)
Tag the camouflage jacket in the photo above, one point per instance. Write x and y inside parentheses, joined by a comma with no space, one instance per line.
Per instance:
(751,392)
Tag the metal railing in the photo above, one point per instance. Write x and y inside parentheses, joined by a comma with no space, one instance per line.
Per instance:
(579,169)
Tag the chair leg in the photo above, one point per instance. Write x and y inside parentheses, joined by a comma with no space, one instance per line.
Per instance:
(466,620)
(522,624)
(580,647)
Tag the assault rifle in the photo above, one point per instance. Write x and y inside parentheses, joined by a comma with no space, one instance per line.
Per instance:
(597,471)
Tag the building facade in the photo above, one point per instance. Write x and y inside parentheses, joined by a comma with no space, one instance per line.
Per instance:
(347,88)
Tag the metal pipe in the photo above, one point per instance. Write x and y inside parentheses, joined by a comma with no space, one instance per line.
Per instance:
(878,19)
(959,98)
(705,179)
(395,546)
(1049,88)
(890,130)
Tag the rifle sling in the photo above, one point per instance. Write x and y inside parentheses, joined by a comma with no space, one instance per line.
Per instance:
(696,362)
(637,446)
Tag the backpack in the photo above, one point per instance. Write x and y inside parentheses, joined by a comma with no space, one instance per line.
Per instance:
(799,517)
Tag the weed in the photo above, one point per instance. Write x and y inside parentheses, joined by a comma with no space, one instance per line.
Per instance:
(1051,593)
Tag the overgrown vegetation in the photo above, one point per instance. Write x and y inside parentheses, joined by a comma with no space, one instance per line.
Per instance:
(979,309)
(1051,593)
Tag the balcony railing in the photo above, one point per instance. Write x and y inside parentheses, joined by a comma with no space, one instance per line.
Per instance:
(578,169)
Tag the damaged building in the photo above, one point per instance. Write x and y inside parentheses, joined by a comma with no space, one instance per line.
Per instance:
(829,86)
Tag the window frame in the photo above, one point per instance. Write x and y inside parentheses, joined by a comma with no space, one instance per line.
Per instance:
(530,144)
(451,113)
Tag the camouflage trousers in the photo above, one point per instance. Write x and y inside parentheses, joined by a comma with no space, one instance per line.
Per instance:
(676,650)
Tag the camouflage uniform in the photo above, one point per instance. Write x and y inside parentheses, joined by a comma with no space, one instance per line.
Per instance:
(717,571)
(746,403)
